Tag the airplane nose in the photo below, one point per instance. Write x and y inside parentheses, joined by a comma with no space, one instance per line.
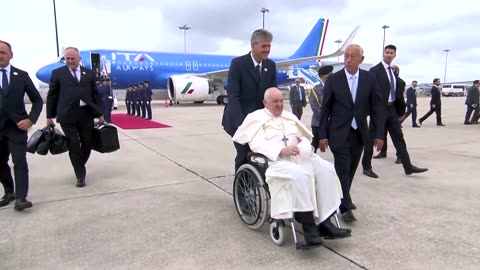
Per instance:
(44,73)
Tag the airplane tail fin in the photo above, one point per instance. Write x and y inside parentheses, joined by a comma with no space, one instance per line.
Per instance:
(313,44)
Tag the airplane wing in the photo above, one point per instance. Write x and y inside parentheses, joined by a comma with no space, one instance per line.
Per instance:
(223,74)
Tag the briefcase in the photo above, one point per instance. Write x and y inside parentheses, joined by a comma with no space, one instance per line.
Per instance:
(105,138)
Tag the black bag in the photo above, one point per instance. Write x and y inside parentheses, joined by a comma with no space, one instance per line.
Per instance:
(58,142)
(36,139)
(105,138)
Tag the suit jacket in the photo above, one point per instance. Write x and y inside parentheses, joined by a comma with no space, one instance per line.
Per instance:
(295,97)
(65,93)
(245,90)
(314,103)
(411,97)
(472,96)
(435,97)
(338,108)
(13,101)
(383,84)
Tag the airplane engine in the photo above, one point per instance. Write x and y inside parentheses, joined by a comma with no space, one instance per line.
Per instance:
(187,88)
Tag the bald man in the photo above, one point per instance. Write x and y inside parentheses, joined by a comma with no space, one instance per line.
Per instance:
(349,96)
(301,184)
(73,99)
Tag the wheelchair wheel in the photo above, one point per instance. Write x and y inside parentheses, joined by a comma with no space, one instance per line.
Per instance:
(277,232)
(250,197)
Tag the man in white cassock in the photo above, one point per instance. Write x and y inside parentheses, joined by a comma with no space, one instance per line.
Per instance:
(302,185)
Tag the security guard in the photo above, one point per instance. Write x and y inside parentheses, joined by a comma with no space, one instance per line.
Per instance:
(128,96)
(148,102)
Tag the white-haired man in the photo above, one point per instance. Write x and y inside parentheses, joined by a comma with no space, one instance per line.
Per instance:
(302,185)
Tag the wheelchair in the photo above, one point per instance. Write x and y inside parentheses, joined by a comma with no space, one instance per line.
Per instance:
(252,201)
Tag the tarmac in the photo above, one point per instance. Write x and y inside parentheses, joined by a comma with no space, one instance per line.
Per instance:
(164,201)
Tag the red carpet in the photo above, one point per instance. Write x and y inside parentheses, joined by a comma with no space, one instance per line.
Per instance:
(126,121)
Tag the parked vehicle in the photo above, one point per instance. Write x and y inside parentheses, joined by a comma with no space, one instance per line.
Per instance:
(454,90)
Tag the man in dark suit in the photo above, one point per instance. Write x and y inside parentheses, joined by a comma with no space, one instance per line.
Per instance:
(412,104)
(297,99)
(366,163)
(394,107)
(74,100)
(14,124)
(435,104)
(349,96)
(472,103)
(248,78)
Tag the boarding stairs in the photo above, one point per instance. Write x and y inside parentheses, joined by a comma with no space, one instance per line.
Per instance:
(309,76)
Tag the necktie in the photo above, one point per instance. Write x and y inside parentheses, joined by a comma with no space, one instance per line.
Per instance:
(392,85)
(354,94)
(258,70)
(4,80)
(75,74)
(300,92)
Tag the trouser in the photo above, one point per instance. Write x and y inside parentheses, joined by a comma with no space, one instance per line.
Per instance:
(143,106)
(14,141)
(316,138)
(297,110)
(148,106)
(108,110)
(346,159)
(471,109)
(79,140)
(242,152)
(413,112)
(127,104)
(438,112)
(392,125)
(137,108)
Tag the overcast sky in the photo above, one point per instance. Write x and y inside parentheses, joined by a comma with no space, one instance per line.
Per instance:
(421,30)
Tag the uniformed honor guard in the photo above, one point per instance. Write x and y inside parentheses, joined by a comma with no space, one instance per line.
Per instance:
(148,95)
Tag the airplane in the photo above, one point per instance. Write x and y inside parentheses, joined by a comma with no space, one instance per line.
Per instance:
(192,77)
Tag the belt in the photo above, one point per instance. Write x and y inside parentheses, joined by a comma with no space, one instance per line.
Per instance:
(391,103)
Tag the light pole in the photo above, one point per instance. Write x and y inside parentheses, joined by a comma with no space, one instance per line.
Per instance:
(184,28)
(446,57)
(263,10)
(338,41)
(384,28)
(56,31)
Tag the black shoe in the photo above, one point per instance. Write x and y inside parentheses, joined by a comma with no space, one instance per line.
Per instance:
(398,161)
(6,199)
(348,216)
(311,235)
(21,204)
(381,155)
(415,126)
(414,169)
(466,123)
(420,121)
(310,230)
(440,125)
(370,173)
(354,207)
(80,182)
(330,231)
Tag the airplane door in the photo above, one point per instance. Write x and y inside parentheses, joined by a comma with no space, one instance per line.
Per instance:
(95,60)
